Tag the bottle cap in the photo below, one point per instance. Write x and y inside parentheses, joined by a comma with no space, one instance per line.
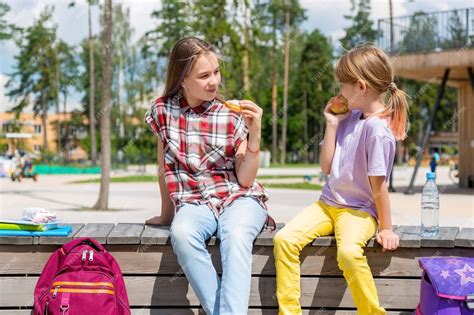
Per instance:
(430,175)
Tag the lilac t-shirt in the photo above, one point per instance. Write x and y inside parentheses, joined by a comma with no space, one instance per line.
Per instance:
(364,147)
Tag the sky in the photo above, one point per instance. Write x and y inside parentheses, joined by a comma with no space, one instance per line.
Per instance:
(326,15)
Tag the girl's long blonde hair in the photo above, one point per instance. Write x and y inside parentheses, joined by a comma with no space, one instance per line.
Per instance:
(371,65)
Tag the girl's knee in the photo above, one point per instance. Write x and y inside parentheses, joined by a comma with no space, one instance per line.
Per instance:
(282,240)
(183,237)
(239,236)
(348,255)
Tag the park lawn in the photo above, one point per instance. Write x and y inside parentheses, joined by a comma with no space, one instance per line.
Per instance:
(152,178)
(307,186)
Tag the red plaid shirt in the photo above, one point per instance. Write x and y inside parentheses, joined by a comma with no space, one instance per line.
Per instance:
(199,150)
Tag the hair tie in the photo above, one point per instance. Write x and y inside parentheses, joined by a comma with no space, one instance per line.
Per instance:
(392,86)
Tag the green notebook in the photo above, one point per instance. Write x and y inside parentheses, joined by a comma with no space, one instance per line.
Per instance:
(22,225)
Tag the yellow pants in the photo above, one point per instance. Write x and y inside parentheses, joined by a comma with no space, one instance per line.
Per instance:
(352,229)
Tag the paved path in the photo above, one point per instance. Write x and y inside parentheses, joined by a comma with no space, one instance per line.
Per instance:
(135,202)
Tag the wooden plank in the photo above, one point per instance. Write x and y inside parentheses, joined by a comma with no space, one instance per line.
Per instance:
(157,235)
(197,311)
(153,259)
(126,233)
(16,240)
(99,231)
(445,237)
(409,236)
(59,240)
(265,238)
(401,294)
(465,238)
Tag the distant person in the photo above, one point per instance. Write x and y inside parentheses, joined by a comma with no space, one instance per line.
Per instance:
(357,151)
(434,161)
(208,160)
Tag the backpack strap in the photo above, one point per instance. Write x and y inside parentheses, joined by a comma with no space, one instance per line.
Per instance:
(83,241)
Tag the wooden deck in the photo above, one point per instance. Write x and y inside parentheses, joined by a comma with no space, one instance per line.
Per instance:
(156,284)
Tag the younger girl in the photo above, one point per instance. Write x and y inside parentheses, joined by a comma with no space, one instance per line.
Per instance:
(357,152)
(208,160)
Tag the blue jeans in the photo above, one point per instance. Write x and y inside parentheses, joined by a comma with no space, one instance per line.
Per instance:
(237,227)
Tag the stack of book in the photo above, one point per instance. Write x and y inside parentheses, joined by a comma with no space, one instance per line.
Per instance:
(29,228)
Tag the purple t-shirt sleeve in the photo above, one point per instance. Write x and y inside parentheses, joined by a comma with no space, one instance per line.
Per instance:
(380,154)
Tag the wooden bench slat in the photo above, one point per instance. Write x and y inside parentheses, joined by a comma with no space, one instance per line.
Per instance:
(445,237)
(126,233)
(265,238)
(99,231)
(197,311)
(158,259)
(175,291)
(465,238)
(59,240)
(18,240)
(409,236)
(156,235)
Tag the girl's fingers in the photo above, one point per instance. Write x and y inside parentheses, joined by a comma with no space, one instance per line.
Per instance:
(379,239)
(250,113)
(385,244)
(250,106)
(391,245)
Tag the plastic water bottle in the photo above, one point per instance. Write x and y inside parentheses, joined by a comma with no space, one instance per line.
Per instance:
(430,206)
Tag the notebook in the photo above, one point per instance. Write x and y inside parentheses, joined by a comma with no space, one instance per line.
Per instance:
(59,231)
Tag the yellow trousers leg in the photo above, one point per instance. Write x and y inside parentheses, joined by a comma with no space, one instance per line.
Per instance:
(353,229)
(312,222)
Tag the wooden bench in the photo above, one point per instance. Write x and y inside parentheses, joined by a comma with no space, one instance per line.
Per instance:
(156,284)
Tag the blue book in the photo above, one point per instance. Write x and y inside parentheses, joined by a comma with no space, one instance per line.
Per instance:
(60,231)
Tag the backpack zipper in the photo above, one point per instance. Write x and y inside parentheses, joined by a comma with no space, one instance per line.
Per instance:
(55,292)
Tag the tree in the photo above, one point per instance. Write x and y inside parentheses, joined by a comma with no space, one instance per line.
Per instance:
(92,124)
(91,84)
(458,37)
(421,35)
(7,30)
(174,23)
(361,30)
(311,89)
(244,29)
(35,70)
(105,155)
(66,72)
(289,14)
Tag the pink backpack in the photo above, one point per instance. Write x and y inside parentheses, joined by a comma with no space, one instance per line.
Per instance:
(81,278)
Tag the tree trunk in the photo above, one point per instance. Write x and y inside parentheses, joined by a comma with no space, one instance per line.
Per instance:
(274,96)
(285,86)
(105,157)
(92,95)
(44,118)
(57,75)
(66,134)
(305,135)
(245,58)
(390,6)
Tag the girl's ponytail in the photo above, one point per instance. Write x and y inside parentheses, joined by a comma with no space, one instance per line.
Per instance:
(397,110)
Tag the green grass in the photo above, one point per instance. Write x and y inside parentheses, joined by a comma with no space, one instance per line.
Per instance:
(282,176)
(152,178)
(295,186)
(123,179)
(294,165)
